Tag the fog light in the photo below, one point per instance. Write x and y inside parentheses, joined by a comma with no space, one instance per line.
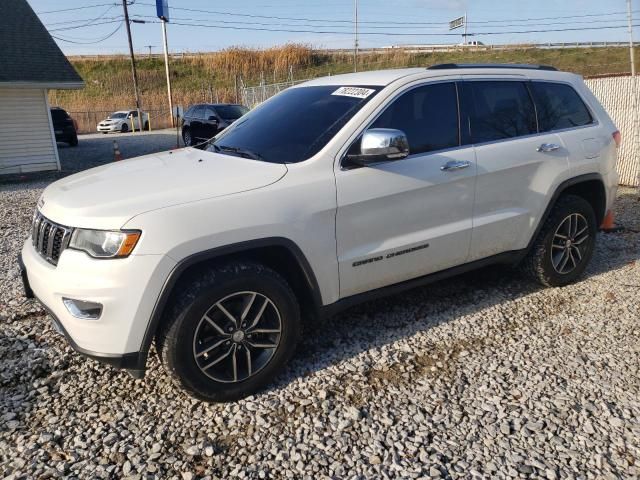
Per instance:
(83,309)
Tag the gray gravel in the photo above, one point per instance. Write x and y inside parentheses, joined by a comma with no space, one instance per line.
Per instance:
(97,148)
(484,375)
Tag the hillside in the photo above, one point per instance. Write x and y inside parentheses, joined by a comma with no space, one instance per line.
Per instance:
(213,76)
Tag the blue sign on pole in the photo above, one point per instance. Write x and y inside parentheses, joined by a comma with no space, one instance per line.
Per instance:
(162,9)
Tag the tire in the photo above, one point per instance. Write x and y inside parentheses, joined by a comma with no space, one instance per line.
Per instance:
(124,128)
(571,227)
(146,126)
(201,347)
(187,138)
(73,141)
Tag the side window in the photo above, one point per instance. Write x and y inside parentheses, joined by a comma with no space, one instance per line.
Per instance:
(133,113)
(559,106)
(500,110)
(198,112)
(190,112)
(209,112)
(428,115)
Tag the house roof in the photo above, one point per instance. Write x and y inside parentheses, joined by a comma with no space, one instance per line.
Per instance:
(29,56)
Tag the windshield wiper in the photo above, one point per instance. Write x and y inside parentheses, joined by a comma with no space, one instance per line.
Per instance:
(243,152)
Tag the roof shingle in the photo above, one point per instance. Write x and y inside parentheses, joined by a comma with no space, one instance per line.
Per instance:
(28,53)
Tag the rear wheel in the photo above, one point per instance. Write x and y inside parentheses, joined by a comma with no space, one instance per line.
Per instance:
(565,244)
(73,141)
(230,332)
(146,125)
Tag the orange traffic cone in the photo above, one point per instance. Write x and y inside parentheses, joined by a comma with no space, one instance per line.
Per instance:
(116,152)
(608,224)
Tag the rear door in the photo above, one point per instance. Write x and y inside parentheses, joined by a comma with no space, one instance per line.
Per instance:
(406,218)
(210,123)
(517,166)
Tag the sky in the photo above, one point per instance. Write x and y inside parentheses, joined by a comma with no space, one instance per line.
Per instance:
(83,25)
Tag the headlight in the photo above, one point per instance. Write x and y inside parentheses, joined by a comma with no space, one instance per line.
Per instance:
(104,243)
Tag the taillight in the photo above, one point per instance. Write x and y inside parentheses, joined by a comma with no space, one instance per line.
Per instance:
(617,137)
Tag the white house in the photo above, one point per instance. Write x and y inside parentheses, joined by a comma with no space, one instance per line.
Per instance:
(30,64)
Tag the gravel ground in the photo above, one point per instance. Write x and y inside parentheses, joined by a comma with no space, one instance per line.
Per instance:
(97,149)
(484,375)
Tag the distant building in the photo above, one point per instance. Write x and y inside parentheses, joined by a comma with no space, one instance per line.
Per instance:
(30,64)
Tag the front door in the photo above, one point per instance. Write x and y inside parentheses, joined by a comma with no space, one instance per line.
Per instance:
(402,219)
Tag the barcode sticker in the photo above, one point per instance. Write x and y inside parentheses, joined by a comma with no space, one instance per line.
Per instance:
(356,92)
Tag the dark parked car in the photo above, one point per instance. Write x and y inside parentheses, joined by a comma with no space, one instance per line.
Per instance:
(64,127)
(204,120)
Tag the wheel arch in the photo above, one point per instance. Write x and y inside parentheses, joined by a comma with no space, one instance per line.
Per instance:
(279,253)
(589,186)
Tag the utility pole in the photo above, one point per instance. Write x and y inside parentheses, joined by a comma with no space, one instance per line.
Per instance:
(634,90)
(150,47)
(133,64)
(631,56)
(166,68)
(464,35)
(355,37)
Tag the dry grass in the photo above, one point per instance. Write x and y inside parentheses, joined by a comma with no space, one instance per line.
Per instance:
(213,76)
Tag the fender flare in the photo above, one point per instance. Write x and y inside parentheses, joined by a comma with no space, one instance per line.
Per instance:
(554,198)
(191,260)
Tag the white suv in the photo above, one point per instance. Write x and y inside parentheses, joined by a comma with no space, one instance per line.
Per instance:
(332,192)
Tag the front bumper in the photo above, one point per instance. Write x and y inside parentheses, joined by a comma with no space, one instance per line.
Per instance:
(109,128)
(127,288)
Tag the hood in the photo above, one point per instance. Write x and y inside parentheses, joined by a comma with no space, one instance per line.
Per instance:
(107,196)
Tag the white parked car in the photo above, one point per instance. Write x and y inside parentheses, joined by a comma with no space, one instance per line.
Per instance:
(335,191)
(123,121)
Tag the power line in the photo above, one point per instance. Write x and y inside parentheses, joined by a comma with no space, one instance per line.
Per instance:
(348,27)
(89,42)
(75,8)
(84,26)
(392,34)
(443,22)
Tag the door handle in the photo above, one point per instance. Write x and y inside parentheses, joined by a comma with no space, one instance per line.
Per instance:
(454,165)
(548,147)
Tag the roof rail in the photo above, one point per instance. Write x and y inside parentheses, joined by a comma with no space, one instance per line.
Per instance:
(450,66)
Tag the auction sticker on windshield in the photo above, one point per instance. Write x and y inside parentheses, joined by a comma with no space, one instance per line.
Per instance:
(356,92)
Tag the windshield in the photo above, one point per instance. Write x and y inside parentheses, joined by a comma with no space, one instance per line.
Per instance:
(294,125)
(231,112)
(118,115)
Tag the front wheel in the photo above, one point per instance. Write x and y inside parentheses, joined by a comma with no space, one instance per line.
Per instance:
(229,332)
(565,245)
(124,128)
(186,137)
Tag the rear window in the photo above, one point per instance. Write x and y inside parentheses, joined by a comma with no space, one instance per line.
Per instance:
(559,106)
(58,115)
(231,112)
(499,110)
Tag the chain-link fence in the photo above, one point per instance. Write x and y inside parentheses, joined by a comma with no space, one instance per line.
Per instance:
(252,96)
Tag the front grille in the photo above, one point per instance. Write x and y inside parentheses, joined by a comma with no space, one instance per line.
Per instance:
(49,238)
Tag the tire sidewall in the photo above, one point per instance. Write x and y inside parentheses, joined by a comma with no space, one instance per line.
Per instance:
(573,205)
(183,362)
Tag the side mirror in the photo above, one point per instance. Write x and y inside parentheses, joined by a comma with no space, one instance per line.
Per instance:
(381,144)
